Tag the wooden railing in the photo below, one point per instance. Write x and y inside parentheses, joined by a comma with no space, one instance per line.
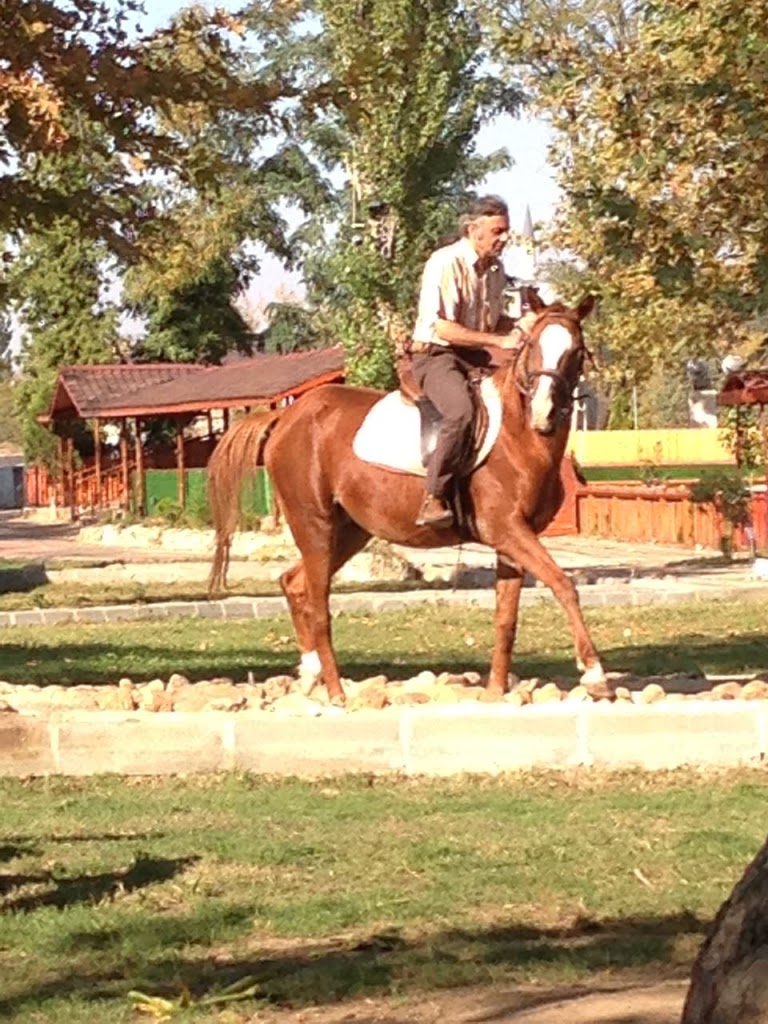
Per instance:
(87,490)
(664,514)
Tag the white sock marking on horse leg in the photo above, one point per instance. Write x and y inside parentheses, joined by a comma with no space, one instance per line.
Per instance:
(593,675)
(310,671)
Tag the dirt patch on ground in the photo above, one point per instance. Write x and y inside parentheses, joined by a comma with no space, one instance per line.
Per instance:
(630,1003)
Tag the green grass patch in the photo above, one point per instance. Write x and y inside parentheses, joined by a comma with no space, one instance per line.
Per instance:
(642,473)
(712,637)
(320,892)
(29,588)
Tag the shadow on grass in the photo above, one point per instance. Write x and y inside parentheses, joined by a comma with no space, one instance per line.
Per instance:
(70,664)
(16,578)
(323,974)
(92,889)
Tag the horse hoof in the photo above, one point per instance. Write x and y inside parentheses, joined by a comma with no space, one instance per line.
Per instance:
(338,701)
(594,682)
(489,696)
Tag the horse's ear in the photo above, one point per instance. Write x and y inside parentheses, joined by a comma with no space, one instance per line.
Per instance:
(586,306)
(533,299)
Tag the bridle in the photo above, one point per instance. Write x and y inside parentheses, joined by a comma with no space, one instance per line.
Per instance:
(526,379)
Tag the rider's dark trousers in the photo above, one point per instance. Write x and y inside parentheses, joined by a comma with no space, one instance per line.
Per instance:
(443,378)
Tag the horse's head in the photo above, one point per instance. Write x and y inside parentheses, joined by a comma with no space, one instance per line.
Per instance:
(550,364)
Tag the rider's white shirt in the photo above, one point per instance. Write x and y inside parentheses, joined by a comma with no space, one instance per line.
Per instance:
(452,288)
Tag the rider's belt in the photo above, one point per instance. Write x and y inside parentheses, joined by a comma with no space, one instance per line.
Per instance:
(422,347)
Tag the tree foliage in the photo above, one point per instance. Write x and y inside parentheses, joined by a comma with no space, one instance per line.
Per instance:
(392,95)
(79,79)
(57,278)
(661,135)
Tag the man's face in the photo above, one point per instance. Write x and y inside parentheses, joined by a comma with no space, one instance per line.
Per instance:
(489,235)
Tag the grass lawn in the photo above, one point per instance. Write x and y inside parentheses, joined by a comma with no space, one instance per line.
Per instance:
(322,892)
(715,637)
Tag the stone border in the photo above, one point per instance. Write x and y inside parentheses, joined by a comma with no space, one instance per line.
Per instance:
(411,740)
(640,591)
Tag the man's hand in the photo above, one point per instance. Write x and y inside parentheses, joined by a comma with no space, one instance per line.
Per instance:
(511,341)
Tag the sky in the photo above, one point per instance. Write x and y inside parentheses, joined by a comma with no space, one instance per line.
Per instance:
(529,182)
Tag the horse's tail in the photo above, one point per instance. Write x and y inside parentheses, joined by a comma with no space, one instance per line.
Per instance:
(236,457)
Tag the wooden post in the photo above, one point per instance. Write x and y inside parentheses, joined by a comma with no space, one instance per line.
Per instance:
(70,450)
(97,463)
(141,483)
(225,418)
(60,485)
(181,476)
(125,479)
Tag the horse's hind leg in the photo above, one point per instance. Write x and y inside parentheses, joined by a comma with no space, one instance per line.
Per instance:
(294,585)
(307,589)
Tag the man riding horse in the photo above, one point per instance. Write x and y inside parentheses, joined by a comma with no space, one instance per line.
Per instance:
(461,306)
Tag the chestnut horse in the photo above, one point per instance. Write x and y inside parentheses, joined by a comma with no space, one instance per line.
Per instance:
(334,503)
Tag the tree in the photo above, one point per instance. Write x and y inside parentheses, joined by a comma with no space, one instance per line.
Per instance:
(69,66)
(10,432)
(729,982)
(660,133)
(57,282)
(197,321)
(393,93)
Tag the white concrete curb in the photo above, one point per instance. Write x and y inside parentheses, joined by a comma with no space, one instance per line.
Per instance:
(466,738)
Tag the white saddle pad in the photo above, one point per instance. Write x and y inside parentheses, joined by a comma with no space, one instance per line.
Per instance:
(390,435)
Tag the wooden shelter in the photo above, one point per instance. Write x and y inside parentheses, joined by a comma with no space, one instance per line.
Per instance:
(129,396)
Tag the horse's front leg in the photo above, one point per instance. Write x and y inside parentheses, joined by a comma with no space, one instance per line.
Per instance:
(524,548)
(509,582)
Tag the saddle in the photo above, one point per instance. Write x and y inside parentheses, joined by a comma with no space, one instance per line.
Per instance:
(479,363)
(400,430)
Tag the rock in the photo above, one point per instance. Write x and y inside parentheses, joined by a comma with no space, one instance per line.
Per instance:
(472,678)
(114,698)
(8,708)
(726,691)
(525,687)
(549,693)
(276,687)
(623,693)
(515,698)
(755,689)
(491,696)
(371,697)
(176,682)
(577,694)
(652,694)
(227,704)
(127,693)
(450,679)
(296,704)
(447,694)
(79,699)
(411,697)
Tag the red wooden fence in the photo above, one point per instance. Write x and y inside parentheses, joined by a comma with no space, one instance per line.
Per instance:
(664,514)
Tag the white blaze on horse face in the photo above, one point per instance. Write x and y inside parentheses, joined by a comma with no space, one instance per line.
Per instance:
(554,342)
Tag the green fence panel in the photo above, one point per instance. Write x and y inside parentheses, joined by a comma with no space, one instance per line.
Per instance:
(162,486)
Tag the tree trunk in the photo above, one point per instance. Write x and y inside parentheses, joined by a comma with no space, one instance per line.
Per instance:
(729,982)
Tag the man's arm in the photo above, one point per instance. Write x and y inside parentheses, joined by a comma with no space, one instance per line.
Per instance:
(464,337)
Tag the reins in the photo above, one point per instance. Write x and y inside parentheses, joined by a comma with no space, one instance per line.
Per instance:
(526,384)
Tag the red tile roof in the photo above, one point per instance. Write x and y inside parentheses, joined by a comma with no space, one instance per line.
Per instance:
(136,390)
(86,391)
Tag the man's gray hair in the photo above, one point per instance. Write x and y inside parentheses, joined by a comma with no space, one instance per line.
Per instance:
(483,206)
